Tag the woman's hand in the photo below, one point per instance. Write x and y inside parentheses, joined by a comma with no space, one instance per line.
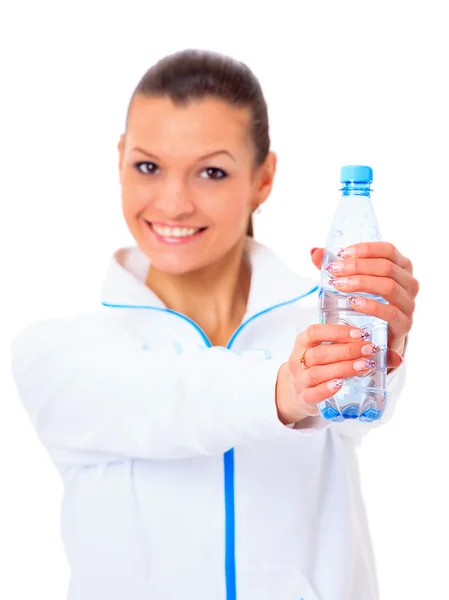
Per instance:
(377,268)
(301,386)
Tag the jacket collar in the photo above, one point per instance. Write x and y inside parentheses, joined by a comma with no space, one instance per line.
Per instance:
(272,281)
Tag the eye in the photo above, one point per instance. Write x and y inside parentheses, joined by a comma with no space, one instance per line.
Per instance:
(138,166)
(211,170)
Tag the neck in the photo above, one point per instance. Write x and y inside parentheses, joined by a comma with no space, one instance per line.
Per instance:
(214,297)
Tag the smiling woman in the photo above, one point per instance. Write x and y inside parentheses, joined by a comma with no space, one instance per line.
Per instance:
(183,417)
(181,186)
(195,75)
(195,163)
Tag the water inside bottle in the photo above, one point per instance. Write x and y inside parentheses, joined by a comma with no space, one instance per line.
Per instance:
(362,397)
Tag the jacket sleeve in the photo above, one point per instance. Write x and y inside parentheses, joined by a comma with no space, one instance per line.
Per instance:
(95,394)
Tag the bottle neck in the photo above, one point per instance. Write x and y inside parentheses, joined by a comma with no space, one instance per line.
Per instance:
(352,188)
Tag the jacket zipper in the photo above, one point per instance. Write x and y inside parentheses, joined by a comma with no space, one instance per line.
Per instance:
(228,457)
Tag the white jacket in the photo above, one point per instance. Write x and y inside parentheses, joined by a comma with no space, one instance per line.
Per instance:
(180,481)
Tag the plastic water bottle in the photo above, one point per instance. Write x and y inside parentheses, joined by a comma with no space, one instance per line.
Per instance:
(365,396)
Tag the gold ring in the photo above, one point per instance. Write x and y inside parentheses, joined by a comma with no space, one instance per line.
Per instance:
(302,360)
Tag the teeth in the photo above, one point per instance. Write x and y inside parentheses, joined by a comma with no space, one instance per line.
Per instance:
(174,232)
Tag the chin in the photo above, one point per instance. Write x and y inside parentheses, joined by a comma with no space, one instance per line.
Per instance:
(176,261)
(176,266)
(185,258)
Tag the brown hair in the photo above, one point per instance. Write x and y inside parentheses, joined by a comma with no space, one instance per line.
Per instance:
(197,74)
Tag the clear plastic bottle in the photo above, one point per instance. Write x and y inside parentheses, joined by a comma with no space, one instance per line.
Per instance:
(363,397)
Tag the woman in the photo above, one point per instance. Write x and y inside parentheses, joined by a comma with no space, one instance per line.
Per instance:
(180,416)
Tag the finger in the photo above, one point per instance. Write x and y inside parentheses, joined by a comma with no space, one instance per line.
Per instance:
(377,250)
(385,287)
(327,388)
(310,397)
(394,359)
(317,255)
(399,323)
(326,332)
(332,353)
(380,267)
(318,374)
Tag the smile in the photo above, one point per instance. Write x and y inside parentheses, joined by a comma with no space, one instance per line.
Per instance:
(175,235)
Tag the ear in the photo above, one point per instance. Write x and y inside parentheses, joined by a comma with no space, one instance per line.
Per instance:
(264,179)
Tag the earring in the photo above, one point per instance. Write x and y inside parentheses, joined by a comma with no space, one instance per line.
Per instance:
(258,210)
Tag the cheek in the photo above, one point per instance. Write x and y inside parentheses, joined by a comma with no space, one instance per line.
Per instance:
(235,212)
(234,205)
(135,197)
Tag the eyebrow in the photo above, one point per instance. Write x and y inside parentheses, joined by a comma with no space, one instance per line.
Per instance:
(200,158)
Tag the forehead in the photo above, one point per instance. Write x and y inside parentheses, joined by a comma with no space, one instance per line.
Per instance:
(200,123)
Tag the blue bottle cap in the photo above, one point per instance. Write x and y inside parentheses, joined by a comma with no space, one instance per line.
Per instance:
(357,173)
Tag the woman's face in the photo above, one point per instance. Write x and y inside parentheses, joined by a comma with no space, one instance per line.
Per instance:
(188,181)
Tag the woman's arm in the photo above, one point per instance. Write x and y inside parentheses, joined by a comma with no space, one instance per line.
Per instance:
(94,394)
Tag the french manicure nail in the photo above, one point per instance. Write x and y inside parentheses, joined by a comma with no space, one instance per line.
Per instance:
(362,365)
(357,301)
(370,349)
(346,252)
(338,281)
(335,383)
(356,334)
(334,267)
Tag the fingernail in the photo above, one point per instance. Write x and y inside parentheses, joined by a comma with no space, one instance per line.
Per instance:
(362,365)
(357,301)
(356,334)
(370,349)
(335,383)
(335,267)
(346,252)
(336,281)
(313,250)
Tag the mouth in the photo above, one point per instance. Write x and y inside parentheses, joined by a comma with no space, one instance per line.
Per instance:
(175,235)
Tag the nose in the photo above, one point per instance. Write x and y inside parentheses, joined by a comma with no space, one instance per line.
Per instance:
(174,199)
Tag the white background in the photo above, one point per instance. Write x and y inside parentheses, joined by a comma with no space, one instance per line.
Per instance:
(361,82)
